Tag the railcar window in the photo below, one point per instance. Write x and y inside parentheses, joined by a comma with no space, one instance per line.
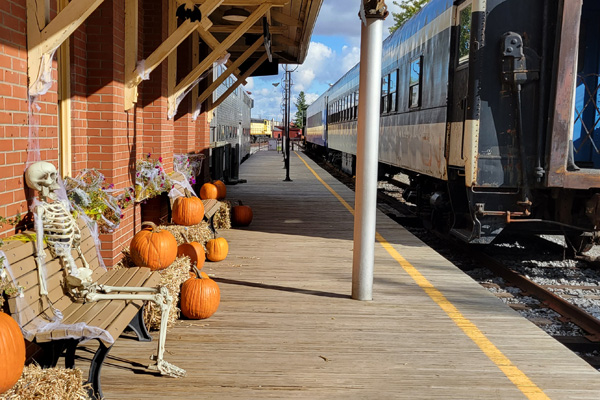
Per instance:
(464,38)
(414,95)
(345,108)
(393,85)
(385,84)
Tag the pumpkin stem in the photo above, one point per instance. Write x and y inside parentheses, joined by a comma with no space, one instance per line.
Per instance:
(241,204)
(152,225)
(197,272)
(185,238)
(188,194)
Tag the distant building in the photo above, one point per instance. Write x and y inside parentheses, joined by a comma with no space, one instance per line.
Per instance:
(295,132)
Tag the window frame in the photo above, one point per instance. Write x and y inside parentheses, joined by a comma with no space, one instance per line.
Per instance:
(415,86)
(463,60)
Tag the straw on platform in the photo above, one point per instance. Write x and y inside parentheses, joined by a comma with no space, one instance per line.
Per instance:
(48,384)
(200,233)
(222,218)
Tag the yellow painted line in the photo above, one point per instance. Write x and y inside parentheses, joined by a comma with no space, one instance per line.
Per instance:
(516,376)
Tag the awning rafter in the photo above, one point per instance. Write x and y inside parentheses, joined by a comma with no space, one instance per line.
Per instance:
(218,52)
(44,37)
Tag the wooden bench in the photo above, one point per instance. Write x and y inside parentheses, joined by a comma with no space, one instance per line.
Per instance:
(108,317)
(211,207)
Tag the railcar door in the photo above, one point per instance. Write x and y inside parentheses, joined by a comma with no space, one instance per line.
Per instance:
(586,132)
(459,80)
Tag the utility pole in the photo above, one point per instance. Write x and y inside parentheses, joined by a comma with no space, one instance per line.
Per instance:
(287,89)
(372,13)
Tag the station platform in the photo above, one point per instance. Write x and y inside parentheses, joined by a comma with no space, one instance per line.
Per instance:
(288,329)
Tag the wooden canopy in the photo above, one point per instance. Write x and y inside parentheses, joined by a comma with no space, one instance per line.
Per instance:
(286,24)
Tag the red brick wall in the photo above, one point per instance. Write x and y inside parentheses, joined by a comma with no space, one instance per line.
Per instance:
(104,136)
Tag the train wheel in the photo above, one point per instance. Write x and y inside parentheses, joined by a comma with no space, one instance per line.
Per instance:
(579,243)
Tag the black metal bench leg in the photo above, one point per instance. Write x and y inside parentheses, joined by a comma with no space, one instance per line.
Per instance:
(51,352)
(71,346)
(95,369)
(138,325)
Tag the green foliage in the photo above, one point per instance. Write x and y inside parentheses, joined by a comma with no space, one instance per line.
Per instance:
(408,8)
(301,106)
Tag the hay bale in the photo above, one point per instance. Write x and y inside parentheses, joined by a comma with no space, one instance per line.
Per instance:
(49,384)
(200,233)
(172,278)
(222,218)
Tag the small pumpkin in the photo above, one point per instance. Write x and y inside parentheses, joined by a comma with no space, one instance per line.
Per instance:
(188,210)
(241,215)
(194,250)
(217,249)
(200,296)
(208,191)
(153,248)
(221,189)
(12,352)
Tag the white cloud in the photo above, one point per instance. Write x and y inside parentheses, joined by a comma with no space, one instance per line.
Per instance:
(340,18)
(311,97)
(318,59)
(350,57)
(250,84)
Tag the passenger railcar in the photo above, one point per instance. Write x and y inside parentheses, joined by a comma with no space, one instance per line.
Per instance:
(492,108)
(229,130)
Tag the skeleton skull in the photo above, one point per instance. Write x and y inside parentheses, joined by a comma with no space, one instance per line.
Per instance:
(41,176)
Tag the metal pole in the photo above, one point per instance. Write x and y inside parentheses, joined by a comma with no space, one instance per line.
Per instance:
(367,150)
(288,82)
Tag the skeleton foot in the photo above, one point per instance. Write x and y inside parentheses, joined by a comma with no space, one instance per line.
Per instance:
(166,368)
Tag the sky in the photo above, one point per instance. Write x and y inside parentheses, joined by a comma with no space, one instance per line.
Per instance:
(333,50)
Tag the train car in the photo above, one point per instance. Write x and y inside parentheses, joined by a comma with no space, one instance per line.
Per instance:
(491,107)
(230,130)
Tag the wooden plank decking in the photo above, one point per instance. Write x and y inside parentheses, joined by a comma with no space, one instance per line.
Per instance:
(287,328)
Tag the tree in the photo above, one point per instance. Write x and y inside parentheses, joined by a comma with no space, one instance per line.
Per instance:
(301,106)
(408,8)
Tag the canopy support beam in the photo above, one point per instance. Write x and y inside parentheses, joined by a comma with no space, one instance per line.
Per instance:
(234,66)
(132,77)
(218,52)
(44,37)
(230,90)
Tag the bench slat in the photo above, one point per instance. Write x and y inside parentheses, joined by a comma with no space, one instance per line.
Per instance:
(211,206)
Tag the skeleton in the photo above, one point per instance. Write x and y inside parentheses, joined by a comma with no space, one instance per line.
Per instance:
(55,222)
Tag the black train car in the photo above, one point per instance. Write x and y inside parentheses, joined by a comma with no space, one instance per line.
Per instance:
(492,108)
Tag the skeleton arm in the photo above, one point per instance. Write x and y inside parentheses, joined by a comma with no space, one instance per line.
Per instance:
(40,254)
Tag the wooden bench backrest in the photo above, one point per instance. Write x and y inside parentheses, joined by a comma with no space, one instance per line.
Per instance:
(21,257)
(211,206)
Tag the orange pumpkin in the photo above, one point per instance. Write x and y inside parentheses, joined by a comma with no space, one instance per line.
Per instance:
(200,297)
(217,249)
(208,191)
(12,352)
(195,251)
(221,189)
(241,215)
(153,248)
(188,210)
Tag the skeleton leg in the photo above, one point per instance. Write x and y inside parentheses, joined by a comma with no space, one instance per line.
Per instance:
(162,299)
